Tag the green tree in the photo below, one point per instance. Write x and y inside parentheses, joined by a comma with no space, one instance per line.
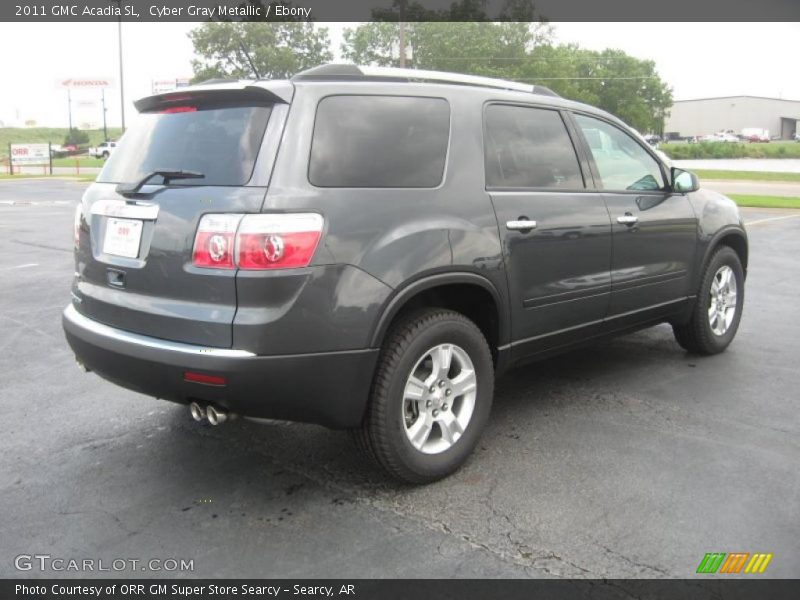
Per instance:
(278,49)
(623,85)
(76,137)
(612,80)
(476,48)
(462,10)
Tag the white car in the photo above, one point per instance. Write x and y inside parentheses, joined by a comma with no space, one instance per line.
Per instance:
(103,150)
(719,137)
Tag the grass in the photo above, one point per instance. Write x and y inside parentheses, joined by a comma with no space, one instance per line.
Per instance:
(83,161)
(680,151)
(765,201)
(80,178)
(53,135)
(746,175)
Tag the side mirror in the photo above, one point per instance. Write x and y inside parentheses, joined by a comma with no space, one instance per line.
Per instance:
(684,181)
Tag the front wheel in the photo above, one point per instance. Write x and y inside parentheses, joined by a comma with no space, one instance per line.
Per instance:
(718,308)
(431,396)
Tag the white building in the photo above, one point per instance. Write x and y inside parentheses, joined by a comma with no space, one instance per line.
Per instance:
(709,115)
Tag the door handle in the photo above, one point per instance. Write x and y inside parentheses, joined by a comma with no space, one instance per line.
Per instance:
(521,225)
(627,220)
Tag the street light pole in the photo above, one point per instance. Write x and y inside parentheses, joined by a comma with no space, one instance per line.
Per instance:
(121,75)
(105,128)
(121,80)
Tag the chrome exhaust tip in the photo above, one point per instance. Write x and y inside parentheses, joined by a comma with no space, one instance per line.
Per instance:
(216,416)
(198,412)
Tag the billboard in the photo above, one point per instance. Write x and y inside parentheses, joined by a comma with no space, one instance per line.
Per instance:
(162,86)
(30,154)
(94,83)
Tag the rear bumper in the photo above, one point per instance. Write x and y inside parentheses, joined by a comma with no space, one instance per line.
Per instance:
(328,388)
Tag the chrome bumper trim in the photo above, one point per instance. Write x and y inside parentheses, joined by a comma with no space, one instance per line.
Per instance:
(74,317)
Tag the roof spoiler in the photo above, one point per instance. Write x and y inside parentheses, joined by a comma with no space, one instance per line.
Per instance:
(278,92)
(342,72)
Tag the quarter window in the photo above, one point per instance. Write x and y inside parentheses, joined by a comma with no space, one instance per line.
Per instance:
(621,161)
(529,148)
(379,141)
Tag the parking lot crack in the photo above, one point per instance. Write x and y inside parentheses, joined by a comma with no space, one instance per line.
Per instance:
(635,563)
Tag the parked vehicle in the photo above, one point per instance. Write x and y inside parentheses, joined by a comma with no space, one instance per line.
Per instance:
(373,258)
(652,139)
(755,135)
(720,137)
(103,150)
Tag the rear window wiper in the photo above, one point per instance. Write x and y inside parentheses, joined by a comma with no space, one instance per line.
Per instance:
(131,189)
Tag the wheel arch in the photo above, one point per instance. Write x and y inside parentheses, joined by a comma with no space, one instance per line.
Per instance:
(733,237)
(465,292)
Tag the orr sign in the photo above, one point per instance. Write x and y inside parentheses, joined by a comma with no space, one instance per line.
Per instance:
(30,154)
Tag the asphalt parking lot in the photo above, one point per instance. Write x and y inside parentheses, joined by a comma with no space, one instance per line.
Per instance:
(628,459)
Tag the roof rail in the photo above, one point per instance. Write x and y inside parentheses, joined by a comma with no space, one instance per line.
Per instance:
(339,72)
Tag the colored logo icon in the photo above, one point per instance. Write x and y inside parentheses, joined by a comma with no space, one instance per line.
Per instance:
(733,563)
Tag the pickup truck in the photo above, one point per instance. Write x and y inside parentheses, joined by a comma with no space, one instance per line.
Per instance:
(103,150)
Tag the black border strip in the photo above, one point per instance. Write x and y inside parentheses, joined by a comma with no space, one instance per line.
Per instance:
(677,11)
(733,588)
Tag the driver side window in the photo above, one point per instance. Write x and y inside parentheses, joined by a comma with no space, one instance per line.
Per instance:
(622,163)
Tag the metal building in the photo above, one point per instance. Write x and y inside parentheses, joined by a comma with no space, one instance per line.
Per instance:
(710,115)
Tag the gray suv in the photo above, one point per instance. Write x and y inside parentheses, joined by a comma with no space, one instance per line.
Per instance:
(368,249)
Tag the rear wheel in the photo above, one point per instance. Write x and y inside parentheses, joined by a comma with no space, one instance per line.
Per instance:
(431,396)
(718,308)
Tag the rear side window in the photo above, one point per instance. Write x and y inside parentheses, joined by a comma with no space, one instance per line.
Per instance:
(529,148)
(222,143)
(379,141)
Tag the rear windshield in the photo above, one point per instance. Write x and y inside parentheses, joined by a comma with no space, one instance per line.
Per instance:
(220,143)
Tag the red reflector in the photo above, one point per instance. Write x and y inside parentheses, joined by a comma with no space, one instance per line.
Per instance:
(214,242)
(203,378)
(178,109)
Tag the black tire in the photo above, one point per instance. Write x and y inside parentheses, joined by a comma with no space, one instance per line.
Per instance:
(696,335)
(105,155)
(382,436)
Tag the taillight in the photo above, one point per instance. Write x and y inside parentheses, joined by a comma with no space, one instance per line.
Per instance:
(277,241)
(213,244)
(76,228)
(266,241)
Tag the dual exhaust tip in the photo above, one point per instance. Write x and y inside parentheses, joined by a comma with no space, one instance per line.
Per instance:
(215,416)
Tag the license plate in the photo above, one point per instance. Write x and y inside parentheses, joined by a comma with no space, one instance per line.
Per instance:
(123,237)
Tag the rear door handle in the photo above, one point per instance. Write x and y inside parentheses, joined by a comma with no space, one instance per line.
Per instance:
(627,220)
(521,225)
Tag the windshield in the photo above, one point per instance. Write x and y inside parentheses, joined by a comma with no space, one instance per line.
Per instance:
(220,143)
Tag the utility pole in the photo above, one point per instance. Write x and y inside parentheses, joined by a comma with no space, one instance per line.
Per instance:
(69,108)
(402,34)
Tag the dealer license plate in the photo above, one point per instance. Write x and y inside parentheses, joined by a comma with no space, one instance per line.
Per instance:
(123,237)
